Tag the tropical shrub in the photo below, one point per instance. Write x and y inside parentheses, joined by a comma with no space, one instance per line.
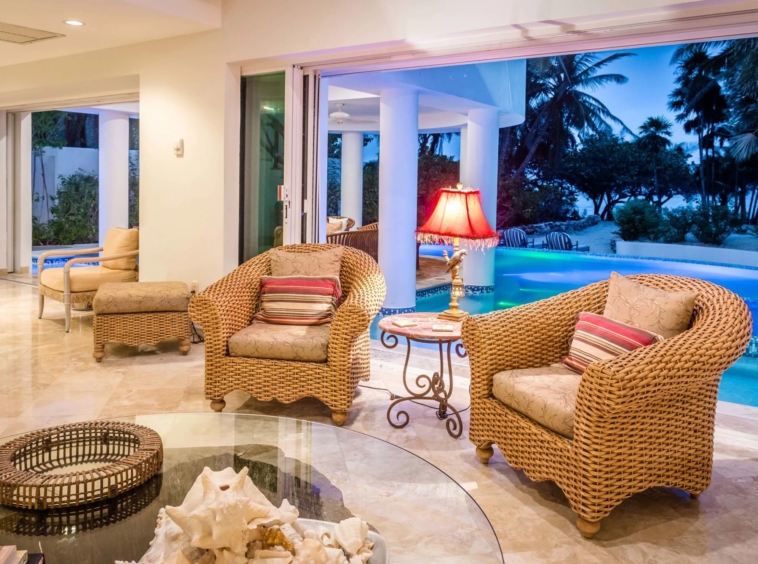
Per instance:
(712,224)
(676,224)
(74,213)
(637,219)
(524,201)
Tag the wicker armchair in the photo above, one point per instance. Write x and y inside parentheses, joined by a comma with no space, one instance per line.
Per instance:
(228,305)
(366,240)
(643,419)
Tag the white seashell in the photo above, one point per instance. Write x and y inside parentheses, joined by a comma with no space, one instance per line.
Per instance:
(336,556)
(350,534)
(310,551)
(271,557)
(224,556)
(221,519)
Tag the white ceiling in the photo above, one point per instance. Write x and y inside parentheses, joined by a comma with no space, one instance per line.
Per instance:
(108,23)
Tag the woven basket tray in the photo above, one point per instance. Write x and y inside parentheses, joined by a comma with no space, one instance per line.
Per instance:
(75,464)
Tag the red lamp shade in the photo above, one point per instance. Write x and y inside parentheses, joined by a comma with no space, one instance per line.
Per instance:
(458,213)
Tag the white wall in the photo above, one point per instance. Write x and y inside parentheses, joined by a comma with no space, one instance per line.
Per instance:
(189,88)
(697,253)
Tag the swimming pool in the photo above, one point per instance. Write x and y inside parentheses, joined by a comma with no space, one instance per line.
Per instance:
(524,276)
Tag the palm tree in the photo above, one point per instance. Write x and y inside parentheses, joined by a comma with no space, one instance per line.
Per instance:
(560,105)
(700,102)
(653,137)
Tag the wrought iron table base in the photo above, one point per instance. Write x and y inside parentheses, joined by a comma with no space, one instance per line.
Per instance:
(432,388)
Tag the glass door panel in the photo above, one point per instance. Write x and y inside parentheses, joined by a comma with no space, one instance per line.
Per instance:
(261,212)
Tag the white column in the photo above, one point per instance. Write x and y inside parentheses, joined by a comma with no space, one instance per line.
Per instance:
(481,173)
(398,188)
(22,195)
(351,189)
(113,171)
(462,176)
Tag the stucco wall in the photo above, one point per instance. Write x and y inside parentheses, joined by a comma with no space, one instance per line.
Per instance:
(695,253)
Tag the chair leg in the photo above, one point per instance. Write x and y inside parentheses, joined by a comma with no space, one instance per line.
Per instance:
(339,417)
(41,305)
(217,404)
(99,352)
(67,307)
(485,452)
(184,346)
(587,528)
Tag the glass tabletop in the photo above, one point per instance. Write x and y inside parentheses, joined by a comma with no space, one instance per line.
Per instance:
(327,472)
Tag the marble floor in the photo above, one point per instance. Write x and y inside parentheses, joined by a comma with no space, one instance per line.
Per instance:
(48,377)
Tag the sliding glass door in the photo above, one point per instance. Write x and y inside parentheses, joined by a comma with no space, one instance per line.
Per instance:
(262,162)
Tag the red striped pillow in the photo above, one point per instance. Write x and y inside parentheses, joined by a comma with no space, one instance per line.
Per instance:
(598,338)
(298,300)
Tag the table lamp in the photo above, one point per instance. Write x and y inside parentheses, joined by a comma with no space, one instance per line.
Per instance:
(457,216)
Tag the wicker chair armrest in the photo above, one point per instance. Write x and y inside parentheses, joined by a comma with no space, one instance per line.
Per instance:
(227,305)
(532,335)
(356,313)
(63,252)
(684,362)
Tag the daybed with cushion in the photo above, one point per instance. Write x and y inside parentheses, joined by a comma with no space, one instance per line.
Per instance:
(639,420)
(118,263)
(289,362)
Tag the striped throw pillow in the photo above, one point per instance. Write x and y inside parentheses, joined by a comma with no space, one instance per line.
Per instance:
(598,338)
(298,300)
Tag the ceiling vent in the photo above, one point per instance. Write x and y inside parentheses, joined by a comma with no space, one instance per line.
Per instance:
(24,35)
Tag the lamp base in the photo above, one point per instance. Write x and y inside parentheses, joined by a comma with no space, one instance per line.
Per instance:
(453,315)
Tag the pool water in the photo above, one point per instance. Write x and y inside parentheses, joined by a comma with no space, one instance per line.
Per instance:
(525,276)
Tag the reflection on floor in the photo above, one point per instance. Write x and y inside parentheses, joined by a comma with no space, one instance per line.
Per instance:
(49,377)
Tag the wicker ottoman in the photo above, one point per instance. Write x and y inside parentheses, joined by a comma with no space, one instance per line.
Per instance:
(141,313)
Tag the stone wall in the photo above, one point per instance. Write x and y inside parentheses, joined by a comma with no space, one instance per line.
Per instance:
(566,226)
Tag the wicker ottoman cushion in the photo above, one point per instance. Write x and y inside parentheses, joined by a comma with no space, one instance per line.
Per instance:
(141,297)
(304,343)
(546,395)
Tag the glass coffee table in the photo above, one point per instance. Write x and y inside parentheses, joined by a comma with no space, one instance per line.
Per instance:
(327,472)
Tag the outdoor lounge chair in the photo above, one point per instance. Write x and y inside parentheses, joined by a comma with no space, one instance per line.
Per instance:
(640,420)
(515,238)
(225,310)
(559,241)
(118,263)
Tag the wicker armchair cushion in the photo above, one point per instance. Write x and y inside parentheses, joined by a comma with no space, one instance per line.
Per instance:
(141,297)
(281,342)
(546,395)
(320,263)
(117,242)
(298,300)
(666,313)
(598,338)
(334,227)
(85,279)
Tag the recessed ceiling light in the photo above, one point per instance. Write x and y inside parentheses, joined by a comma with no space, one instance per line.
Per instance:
(73,22)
